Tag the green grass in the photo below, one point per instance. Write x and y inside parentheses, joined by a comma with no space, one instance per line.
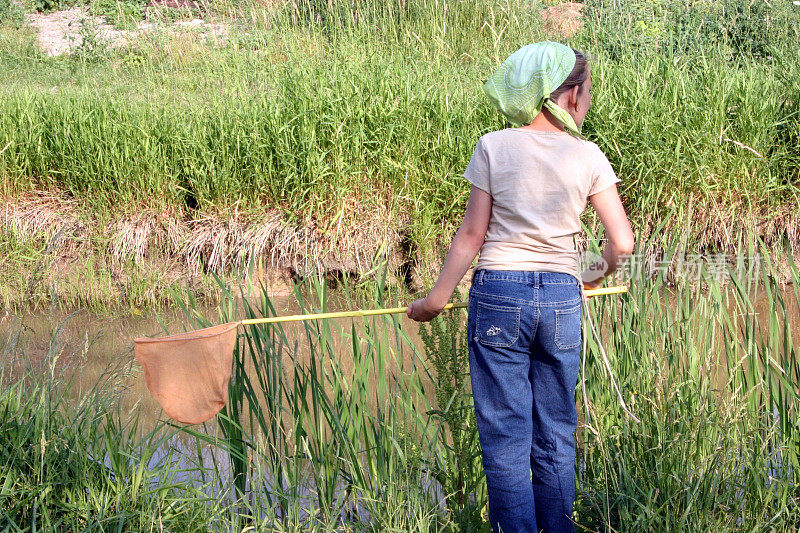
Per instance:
(82,464)
(713,383)
(333,112)
(375,433)
(311,112)
(122,14)
(348,120)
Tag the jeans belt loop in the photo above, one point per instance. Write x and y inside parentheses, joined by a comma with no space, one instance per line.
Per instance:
(480,279)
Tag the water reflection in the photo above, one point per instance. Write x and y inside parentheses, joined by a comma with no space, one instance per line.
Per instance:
(81,347)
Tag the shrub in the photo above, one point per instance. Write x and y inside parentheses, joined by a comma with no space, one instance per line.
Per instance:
(47,5)
(120,13)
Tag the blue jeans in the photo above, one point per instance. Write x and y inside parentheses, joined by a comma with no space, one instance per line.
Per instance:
(524,333)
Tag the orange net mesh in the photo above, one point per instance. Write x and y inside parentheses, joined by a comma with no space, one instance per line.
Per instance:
(188,373)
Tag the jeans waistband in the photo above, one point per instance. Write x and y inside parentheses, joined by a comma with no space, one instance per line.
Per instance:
(528,277)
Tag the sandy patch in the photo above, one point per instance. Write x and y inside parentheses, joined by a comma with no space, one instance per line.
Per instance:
(563,20)
(62,32)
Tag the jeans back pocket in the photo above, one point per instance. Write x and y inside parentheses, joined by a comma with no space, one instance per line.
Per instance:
(568,327)
(497,325)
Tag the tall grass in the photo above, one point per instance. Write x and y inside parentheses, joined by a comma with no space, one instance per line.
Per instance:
(353,425)
(326,111)
(350,123)
(322,106)
(68,465)
(327,444)
(333,438)
(715,385)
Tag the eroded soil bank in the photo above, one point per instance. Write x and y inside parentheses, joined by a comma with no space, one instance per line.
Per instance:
(57,252)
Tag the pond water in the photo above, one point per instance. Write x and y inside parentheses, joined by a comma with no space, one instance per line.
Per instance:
(81,347)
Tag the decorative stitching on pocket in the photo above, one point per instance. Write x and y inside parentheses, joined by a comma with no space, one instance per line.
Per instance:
(501,333)
(572,281)
(501,298)
(559,328)
(562,303)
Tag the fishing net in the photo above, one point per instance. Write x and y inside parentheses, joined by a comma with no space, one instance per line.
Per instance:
(188,373)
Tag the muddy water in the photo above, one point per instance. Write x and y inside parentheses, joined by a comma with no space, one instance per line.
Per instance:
(82,347)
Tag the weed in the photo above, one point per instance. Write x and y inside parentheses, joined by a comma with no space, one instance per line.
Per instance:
(121,13)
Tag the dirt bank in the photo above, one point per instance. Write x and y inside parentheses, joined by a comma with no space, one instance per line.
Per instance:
(55,249)
(64,31)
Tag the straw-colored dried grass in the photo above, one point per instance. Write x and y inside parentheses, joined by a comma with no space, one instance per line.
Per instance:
(40,213)
(725,224)
(562,20)
(176,249)
(213,243)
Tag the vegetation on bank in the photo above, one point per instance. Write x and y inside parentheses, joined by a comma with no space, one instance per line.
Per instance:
(315,439)
(326,134)
(348,125)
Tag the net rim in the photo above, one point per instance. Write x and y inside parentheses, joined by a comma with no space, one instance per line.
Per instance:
(190,335)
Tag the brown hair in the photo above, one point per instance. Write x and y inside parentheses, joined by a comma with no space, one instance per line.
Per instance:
(578,75)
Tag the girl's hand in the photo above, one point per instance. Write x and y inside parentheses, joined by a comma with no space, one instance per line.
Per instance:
(423,310)
(587,285)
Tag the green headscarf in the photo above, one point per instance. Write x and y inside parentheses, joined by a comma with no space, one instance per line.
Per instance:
(523,83)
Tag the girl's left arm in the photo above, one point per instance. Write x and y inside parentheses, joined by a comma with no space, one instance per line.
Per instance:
(466,245)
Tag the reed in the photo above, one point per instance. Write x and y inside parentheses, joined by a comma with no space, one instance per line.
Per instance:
(710,369)
(320,112)
(86,464)
(712,373)
(276,118)
(332,135)
(353,424)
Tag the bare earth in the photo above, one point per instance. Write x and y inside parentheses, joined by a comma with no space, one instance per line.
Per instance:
(60,31)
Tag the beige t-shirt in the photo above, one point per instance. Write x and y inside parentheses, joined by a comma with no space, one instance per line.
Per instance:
(539,182)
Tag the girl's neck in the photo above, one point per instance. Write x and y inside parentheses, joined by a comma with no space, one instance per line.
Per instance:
(544,121)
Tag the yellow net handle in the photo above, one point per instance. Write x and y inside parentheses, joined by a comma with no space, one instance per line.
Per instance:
(589,293)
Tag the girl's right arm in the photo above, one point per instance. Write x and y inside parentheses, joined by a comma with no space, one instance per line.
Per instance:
(618,231)
(466,245)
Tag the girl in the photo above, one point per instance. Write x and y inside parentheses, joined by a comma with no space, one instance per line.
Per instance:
(529,187)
